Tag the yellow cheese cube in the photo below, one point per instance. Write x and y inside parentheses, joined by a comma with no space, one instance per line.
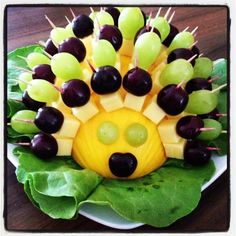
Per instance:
(111,102)
(127,48)
(134,102)
(85,112)
(64,146)
(167,131)
(69,127)
(87,41)
(61,106)
(154,112)
(175,150)
(156,87)
(87,75)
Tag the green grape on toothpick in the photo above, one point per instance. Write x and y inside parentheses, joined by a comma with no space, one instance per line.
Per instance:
(203,67)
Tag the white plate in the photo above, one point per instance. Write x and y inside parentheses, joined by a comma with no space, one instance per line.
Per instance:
(105,215)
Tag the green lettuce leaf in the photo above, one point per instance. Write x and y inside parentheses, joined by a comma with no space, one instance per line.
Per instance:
(158,199)
(220,70)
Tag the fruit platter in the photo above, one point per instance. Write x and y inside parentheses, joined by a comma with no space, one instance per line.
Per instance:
(118,116)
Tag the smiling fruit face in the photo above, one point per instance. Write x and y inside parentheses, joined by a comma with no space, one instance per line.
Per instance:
(108,144)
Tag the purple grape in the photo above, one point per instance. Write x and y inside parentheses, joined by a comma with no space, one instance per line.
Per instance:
(106,79)
(173,32)
(75,93)
(195,50)
(172,99)
(44,72)
(50,48)
(31,103)
(112,34)
(188,127)
(137,81)
(49,119)
(115,13)
(146,29)
(73,46)
(197,84)
(82,26)
(196,153)
(183,53)
(122,164)
(44,146)
(212,115)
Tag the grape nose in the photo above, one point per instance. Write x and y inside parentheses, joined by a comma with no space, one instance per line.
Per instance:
(122,164)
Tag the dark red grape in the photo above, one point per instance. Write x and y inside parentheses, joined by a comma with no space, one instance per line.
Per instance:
(73,46)
(75,93)
(197,84)
(212,115)
(172,99)
(196,153)
(115,13)
(188,127)
(49,119)
(179,53)
(137,81)
(146,29)
(106,79)
(31,103)
(50,48)
(112,34)
(122,164)
(82,26)
(44,146)
(195,50)
(44,72)
(173,32)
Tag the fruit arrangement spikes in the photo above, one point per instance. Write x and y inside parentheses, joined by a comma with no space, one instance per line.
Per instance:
(139,92)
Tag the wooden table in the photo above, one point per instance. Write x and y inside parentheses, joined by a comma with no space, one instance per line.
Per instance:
(27,25)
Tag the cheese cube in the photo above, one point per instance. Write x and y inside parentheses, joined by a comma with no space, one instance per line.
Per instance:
(111,102)
(156,87)
(154,112)
(86,112)
(64,146)
(134,102)
(69,127)
(61,106)
(127,48)
(87,75)
(175,150)
(167,131)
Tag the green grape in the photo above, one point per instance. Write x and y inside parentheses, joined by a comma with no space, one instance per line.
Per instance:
(25,76)
(176,72)
(42,91)
(201,102)
(181,40)
(162,25)
(104,53)
(211,134)
(102,18)
(70,30)
(19,124)
(92,15)
(136,134)
(130,21)
(65,66)
(107,132)
(59,34)
(146,49)
(203,67)
(36,58)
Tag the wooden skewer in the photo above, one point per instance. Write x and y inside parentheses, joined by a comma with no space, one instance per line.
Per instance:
(213,79)
(24,58)
(224,131)
(41,43)
(194,30)
(158,13)
(167,13)
(219,88)
(50,22)
(201,54)
(67,20)
(91,9)
(171,17)
(25,121)
(213,148)
(190,59)
(206,129)
(23,144)
(23,69)
(72,13)
(47,54)
(91,66)
(149,19)
(221,114)
(180,84)
(186,29)
(194,44)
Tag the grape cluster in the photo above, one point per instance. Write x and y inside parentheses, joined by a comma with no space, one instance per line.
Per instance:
(185,83)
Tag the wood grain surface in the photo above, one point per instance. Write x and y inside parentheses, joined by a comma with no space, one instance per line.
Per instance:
(27,25)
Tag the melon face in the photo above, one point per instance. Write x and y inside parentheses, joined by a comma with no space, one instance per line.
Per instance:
(91,153)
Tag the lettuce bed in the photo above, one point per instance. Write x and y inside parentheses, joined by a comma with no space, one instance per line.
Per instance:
(59,186)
